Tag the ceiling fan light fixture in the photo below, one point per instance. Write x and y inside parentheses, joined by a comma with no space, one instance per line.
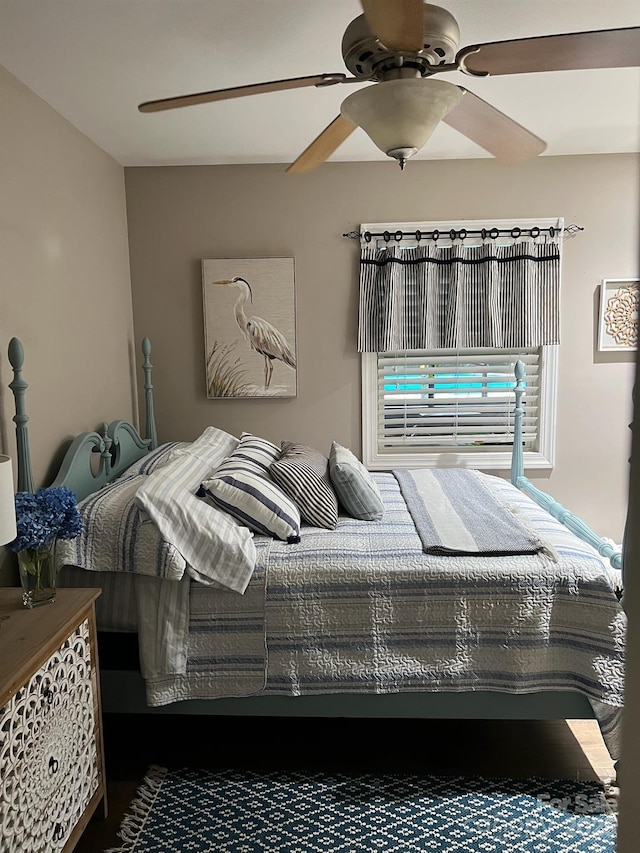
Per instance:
(400,115)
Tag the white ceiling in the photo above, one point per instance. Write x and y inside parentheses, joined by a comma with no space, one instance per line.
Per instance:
(94,60)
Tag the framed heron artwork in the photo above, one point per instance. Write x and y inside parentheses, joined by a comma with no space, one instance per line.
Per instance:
(249,327)
(619,304)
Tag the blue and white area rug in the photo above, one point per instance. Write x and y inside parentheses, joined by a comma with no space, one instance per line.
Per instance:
(207,811)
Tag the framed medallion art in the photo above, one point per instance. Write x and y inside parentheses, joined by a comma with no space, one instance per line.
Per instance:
(619,304)
(249,327)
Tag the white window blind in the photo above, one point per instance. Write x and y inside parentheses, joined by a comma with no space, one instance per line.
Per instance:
(446,399)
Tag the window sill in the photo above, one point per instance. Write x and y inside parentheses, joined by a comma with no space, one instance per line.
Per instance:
(455,458)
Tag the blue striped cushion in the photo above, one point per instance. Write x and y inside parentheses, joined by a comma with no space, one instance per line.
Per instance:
(303,473)
(242,487)
(354,485)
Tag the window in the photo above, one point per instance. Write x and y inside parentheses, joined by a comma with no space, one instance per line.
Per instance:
(423,408)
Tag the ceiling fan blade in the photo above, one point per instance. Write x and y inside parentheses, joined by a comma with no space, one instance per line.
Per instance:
(323,145)
(240,92)
(563,52)
(398,25)
(493,130)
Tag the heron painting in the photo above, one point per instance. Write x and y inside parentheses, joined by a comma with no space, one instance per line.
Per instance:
(249,312)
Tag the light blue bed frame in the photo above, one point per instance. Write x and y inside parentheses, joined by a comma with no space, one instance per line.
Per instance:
(96,458)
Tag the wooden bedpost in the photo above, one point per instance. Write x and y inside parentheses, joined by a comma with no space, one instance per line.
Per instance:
(150,422)
(19,387)
(517,456)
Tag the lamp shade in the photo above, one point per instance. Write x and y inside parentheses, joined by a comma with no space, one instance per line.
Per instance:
(7,502)
(400,115)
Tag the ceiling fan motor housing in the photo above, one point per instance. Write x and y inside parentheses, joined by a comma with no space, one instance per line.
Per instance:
(368,59)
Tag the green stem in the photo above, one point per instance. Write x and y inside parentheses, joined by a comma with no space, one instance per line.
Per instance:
(34,561)
(39,573)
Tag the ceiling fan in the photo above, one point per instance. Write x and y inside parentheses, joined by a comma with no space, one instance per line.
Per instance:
(400,46)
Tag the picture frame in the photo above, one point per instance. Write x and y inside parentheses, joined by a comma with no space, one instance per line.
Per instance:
(249,327)
(618,321)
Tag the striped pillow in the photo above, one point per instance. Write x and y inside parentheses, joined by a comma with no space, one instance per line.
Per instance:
(155,459)
(256,454)
(303,473)
(354,485)
(242,487)
(212,447)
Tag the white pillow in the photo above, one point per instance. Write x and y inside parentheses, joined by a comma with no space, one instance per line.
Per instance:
(256,454)
(242,487)
(154,459)
(211,447)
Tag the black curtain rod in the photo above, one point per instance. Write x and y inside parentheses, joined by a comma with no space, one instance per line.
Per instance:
(462,233)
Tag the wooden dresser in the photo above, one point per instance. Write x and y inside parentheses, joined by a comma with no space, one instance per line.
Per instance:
(51,752)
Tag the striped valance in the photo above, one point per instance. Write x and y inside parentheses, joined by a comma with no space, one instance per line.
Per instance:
(456,296)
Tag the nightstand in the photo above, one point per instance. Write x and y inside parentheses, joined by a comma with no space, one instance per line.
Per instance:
(51,753)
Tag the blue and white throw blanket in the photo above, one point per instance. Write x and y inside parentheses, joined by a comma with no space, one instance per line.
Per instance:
(455,513)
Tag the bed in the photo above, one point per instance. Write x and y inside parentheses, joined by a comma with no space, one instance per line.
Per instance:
(363,620)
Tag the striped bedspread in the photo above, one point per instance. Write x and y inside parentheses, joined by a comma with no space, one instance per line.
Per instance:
(455,513)
(364,609)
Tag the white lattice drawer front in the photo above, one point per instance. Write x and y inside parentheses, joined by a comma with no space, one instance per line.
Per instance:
(48,751)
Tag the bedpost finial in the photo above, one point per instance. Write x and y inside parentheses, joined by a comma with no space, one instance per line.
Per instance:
(16,354)
(519,370)
(150,430)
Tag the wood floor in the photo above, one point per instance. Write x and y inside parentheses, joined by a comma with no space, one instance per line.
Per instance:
(551,749)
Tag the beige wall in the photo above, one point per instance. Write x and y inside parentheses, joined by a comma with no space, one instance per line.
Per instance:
(177,216)
(64,279)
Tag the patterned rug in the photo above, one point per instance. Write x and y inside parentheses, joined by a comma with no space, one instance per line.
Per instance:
(206,811)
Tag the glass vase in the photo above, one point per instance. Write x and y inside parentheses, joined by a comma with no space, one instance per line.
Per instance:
(38,574)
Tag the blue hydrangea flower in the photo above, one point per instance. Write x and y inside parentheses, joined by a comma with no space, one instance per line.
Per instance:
(50,513)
